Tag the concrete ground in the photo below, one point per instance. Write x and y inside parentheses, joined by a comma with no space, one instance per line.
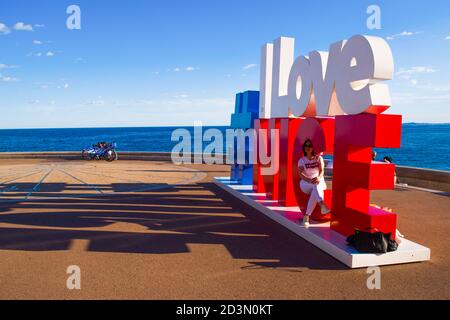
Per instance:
(152,230)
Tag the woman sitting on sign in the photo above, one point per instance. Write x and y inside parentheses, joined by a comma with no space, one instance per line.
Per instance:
(311,170)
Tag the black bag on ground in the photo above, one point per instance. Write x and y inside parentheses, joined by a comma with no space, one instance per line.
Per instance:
(372,242)
(392,245)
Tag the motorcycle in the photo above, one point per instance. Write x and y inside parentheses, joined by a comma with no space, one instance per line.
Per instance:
(101,151)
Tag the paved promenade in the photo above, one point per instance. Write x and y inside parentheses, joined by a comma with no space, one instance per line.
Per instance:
(153,230)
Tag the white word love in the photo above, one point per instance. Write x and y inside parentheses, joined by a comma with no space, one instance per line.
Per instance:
(346,80)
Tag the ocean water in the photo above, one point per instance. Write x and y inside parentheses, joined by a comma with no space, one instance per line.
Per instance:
(423,145)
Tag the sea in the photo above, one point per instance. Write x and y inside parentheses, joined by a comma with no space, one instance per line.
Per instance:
(423,145)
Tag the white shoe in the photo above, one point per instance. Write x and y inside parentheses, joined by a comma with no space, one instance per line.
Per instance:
(324,209)
(306,221)
(398,234)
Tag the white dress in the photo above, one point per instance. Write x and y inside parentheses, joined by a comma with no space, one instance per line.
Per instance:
(316,191)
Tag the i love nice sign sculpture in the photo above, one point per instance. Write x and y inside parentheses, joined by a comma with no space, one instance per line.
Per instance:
(337,100)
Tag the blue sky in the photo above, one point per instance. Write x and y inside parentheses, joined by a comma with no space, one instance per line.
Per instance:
(158,63)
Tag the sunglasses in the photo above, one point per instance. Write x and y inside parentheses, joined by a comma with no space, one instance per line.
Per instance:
(308,145)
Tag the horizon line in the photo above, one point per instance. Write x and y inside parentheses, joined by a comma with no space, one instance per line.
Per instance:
(169,126)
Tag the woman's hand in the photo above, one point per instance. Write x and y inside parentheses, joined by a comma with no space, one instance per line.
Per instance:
(301,171)
(315,180)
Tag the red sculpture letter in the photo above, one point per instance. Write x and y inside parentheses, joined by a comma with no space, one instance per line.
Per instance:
(354,173)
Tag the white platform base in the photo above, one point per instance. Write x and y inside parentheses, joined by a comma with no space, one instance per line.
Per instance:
(320,234)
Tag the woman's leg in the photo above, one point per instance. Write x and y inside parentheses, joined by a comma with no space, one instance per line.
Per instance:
(316,196)
(308,188)
(312,202)
(319,191)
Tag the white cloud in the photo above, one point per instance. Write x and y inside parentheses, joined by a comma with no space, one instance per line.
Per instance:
(37,42)
(417,98)
(79,60)
(8,79)
(183,101)
(187,69)
(447,38)
(433,87)
(402,34)
(415,70)
(20,26)
(182,95)
(249,66)
(41,54)
(5,66)
(405,77)
(97,102)
(438,88)
(53,85)
(4,29)
(63,86)
(39,25)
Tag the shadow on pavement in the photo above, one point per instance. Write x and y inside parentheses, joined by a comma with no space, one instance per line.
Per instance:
(168,219)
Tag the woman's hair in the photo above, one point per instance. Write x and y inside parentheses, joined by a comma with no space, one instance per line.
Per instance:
(304,146)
